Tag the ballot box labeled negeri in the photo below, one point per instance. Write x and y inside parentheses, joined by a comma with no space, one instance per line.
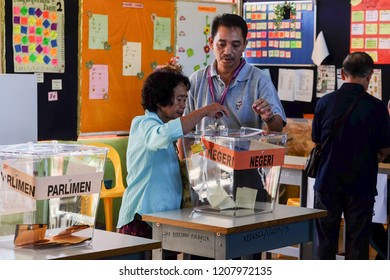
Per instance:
(49,194)
(234,172)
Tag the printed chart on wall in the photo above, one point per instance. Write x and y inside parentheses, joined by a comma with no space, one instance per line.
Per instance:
(370,28)
(193,21)
(38,36)
(291,44)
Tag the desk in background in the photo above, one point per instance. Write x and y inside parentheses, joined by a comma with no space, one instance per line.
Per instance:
(105,245)
(222,237)
(293,173)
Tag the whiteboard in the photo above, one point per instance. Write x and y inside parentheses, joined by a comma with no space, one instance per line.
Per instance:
(19,109)
(193,28)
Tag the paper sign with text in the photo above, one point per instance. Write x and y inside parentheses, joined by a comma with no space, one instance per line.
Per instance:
(39,188)
(258,155)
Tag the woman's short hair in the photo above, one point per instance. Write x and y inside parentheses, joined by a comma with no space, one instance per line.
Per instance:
(358,64)
(159,87)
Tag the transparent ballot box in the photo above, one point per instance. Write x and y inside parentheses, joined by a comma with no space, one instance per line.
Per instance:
(234,172)
(49,194)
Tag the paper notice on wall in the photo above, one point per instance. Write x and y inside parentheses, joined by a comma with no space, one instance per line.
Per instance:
(326,79)
(304,80)
(98,82)
(286,84)
(131,58)
(295,85)
(98,31)
(162,33)
(375,86)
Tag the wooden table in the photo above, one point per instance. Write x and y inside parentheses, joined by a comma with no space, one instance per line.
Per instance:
(105,245)
(220,237)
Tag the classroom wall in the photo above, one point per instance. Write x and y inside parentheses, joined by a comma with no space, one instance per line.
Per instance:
(59,120)
(333,19)
(56,119)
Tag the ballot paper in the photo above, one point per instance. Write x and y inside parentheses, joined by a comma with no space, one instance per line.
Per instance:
(246,198)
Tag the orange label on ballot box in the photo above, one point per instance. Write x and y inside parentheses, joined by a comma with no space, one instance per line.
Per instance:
(257,154)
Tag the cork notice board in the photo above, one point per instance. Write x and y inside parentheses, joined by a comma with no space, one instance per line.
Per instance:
(122,42)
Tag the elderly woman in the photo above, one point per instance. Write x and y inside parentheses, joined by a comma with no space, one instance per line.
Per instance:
(154,181)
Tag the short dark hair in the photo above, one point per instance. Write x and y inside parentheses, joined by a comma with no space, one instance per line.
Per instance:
(358,64)
(229,20)
(158,88)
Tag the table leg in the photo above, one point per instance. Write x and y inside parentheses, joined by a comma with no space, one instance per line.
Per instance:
(303,189)
(157,254)
(220,247)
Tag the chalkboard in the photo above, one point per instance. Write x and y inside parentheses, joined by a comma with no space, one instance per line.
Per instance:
(289,45)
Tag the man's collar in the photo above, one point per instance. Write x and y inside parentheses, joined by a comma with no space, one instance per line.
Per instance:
(214,72)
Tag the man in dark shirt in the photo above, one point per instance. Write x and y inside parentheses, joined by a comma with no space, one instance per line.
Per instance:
(346,180)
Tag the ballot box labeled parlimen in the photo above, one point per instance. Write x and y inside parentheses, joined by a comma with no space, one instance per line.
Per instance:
(234,172)
(49,194)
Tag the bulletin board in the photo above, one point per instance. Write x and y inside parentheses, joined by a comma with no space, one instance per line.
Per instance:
(122,43)
(286,46)
(193,20)
(370,29)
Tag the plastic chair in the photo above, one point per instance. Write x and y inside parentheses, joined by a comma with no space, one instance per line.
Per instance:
(294,201)
(108,194)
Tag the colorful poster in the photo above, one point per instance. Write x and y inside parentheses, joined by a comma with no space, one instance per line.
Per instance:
(38,36)
(370,29)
